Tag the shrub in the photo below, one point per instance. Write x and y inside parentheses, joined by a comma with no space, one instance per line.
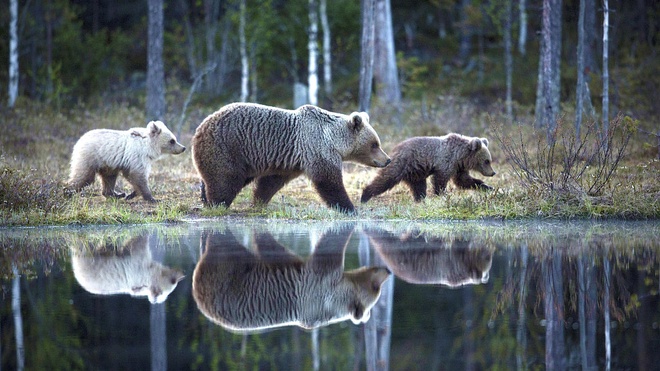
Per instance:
(21,190)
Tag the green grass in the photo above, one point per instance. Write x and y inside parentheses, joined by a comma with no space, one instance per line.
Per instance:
(36,146)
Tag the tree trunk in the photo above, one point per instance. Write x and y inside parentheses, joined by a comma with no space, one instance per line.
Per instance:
(385,70)
(464,48)
(522,36)
(245,76)
(18,319)
(13,53)
(155,69)
(49,47)
(555,15)
(190,39)
(546,56)
(313,48)
(606,76)
(579,91)
(521,332)
(211,10)
(366,55)
(508,58)
(327,52)
(222,60)
(547,102)
(253,73)
(555,355)
(590,39)
(606,310)
(157,318)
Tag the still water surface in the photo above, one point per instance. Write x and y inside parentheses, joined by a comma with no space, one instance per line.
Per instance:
(332,295)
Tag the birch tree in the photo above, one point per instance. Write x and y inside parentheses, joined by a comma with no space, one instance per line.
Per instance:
(548,88)
(522,35)
(366,55)
(245,75)
(18,319)
(385,70)
(508,58)
(606,76)
(13,53)
(327,56)
(155,69)
(313,48)
(579,91)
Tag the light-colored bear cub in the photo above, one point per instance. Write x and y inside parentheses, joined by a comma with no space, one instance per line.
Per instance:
(244,291)
(128,269)
(110,152)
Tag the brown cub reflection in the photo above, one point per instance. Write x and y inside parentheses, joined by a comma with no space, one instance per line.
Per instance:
(420,259)
(114,269)
(246,291)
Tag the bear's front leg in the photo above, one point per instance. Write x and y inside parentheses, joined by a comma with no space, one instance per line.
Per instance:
(140,185)
(463,180)
(417,188)
(439,183)
(329,183)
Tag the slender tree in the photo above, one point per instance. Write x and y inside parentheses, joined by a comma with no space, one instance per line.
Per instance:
(211,12)
(155,69)
(508,58)
(522,36)
(606,310)
(245,75)
(313,48)
(18,319)
(546,58)
(327,52)
(579,91)
(464,47)
(521,333)
(13,53)
(366,55)
(386,74)
(606,76)
(548,88)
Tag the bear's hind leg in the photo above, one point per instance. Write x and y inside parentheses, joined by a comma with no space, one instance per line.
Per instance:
(268,185)
(417,188)
(81,178)
(109,179)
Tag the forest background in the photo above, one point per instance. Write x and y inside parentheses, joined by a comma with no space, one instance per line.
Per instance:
(469,66)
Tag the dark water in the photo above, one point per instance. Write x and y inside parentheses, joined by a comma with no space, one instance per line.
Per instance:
(299,296)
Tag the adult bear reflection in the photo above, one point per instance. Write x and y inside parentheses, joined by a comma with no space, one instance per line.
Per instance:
(421,259)
(113,269)
(271,287)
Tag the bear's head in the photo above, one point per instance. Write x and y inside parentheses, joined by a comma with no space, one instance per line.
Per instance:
(163,139)
(364,143)
(163,283)
(364,291)
(480,159)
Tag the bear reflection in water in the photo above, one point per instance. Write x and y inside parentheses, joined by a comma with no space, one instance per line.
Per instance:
(420,259)
(113,269)
(244,291)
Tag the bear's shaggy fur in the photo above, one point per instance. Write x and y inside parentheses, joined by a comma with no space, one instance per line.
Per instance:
(442,158)
(242,142)
(242,290)
(109,152)
(129,269)
(418,258)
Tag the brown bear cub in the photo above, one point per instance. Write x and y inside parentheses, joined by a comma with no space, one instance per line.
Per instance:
(243,142)
(442,158)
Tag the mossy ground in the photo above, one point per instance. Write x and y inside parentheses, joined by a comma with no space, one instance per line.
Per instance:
(37,146)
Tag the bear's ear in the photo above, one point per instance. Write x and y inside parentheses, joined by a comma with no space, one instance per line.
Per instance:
(357,120)
(475,144)
(484,141)
(154,128)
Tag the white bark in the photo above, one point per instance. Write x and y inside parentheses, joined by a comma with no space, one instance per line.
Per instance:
(155,70)
(18,319)
(606,309)
(13,53)
(579,91)
(508,58)
(546,57)
(606,76)
(366,55)
(522,36)
(313,48)
(386,73)
(327,56)
(245,75)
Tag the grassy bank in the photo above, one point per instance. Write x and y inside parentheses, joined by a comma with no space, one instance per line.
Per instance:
(37,143)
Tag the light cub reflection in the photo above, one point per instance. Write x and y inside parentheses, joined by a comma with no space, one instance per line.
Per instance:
(268,287)
(422,259)
(114,269)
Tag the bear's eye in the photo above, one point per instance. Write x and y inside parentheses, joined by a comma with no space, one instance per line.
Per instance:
(487,162)
(374,145)
(172,141)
